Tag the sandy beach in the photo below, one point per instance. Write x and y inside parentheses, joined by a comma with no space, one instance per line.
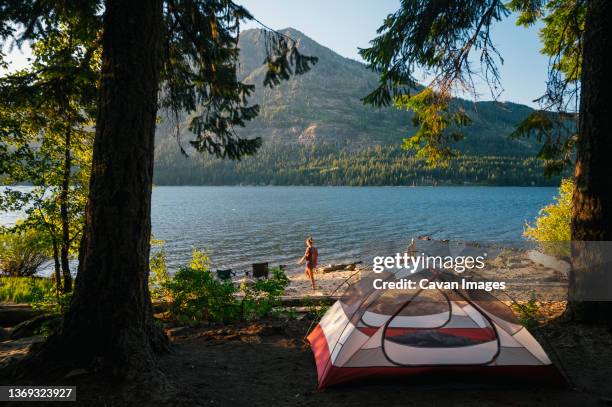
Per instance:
(327,284)
(528,279)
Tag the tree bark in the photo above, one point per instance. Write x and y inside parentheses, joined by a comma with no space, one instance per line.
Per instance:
(110,319)
(65,246)
(592,206)
(57,268)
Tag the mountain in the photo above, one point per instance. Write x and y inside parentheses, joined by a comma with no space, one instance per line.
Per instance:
(310,123)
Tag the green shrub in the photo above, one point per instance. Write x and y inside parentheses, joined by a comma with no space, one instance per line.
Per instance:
(50,327)
(24,289)
(22,252)
(196,295)
(49,300)
(158,275)
(552,228)
(528,313)
(199,261)
(316,309)
(260,298)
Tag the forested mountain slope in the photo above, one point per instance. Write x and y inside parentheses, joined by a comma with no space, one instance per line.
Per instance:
(317,131)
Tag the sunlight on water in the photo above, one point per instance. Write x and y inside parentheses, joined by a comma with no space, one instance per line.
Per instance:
(238,226)
(242,225)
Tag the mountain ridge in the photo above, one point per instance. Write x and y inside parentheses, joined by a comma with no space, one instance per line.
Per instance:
(323,109)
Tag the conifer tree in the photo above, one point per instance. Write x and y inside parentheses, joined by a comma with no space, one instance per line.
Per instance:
(180,55)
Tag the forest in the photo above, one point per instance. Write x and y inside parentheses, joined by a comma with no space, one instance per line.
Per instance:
(378,165)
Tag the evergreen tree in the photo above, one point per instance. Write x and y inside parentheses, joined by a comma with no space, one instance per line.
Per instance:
(186,51)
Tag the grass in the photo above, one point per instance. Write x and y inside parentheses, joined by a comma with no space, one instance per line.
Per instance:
(23,289)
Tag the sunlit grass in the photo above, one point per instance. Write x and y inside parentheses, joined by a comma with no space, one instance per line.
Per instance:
(23,289)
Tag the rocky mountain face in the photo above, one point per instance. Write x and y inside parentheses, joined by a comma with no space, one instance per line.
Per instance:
(323,108)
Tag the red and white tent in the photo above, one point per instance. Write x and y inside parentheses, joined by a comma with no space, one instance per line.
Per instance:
(370,333)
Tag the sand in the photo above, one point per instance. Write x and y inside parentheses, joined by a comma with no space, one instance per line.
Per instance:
(329,284)
(526,281)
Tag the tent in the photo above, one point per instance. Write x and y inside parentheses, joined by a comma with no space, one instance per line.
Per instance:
(373,333)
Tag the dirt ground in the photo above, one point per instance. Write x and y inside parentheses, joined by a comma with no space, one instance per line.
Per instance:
(268,364)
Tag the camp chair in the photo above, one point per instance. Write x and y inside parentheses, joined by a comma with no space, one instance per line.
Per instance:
(225,274)
(260,270)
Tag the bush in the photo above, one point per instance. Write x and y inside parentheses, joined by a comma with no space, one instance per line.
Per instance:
(196,295)
(24,289)
(22,252)
(552,228)
(158,275)
(263,296)
(49,300)
(528,313)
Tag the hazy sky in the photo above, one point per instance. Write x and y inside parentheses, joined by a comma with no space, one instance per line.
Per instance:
(345,25)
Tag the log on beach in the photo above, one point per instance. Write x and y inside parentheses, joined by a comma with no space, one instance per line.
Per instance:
(337,267)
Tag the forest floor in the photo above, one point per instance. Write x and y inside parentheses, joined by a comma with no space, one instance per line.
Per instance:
(268,364)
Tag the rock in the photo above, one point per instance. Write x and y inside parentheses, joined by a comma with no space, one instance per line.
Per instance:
(246,281)
(271,330)
(606,400)
(307,301)
(32,326)
(11,315)
(160,307)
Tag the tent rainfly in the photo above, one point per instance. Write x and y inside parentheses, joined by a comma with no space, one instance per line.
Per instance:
(371,333)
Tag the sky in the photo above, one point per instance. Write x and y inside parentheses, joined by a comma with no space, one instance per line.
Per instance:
(346,25)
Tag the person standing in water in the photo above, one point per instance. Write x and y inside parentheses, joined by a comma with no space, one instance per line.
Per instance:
(310,257)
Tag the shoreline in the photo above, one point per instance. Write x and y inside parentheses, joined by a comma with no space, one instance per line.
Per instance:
(352,186)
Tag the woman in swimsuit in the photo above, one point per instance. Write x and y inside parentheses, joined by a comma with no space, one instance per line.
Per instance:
(310,257)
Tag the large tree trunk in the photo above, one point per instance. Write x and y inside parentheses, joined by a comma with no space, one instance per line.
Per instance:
(111,313)
(592,216)
(110,319)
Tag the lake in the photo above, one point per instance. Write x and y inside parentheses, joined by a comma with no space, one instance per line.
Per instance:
(237,226)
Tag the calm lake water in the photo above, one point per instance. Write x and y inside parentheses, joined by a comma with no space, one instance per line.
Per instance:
(242,225)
